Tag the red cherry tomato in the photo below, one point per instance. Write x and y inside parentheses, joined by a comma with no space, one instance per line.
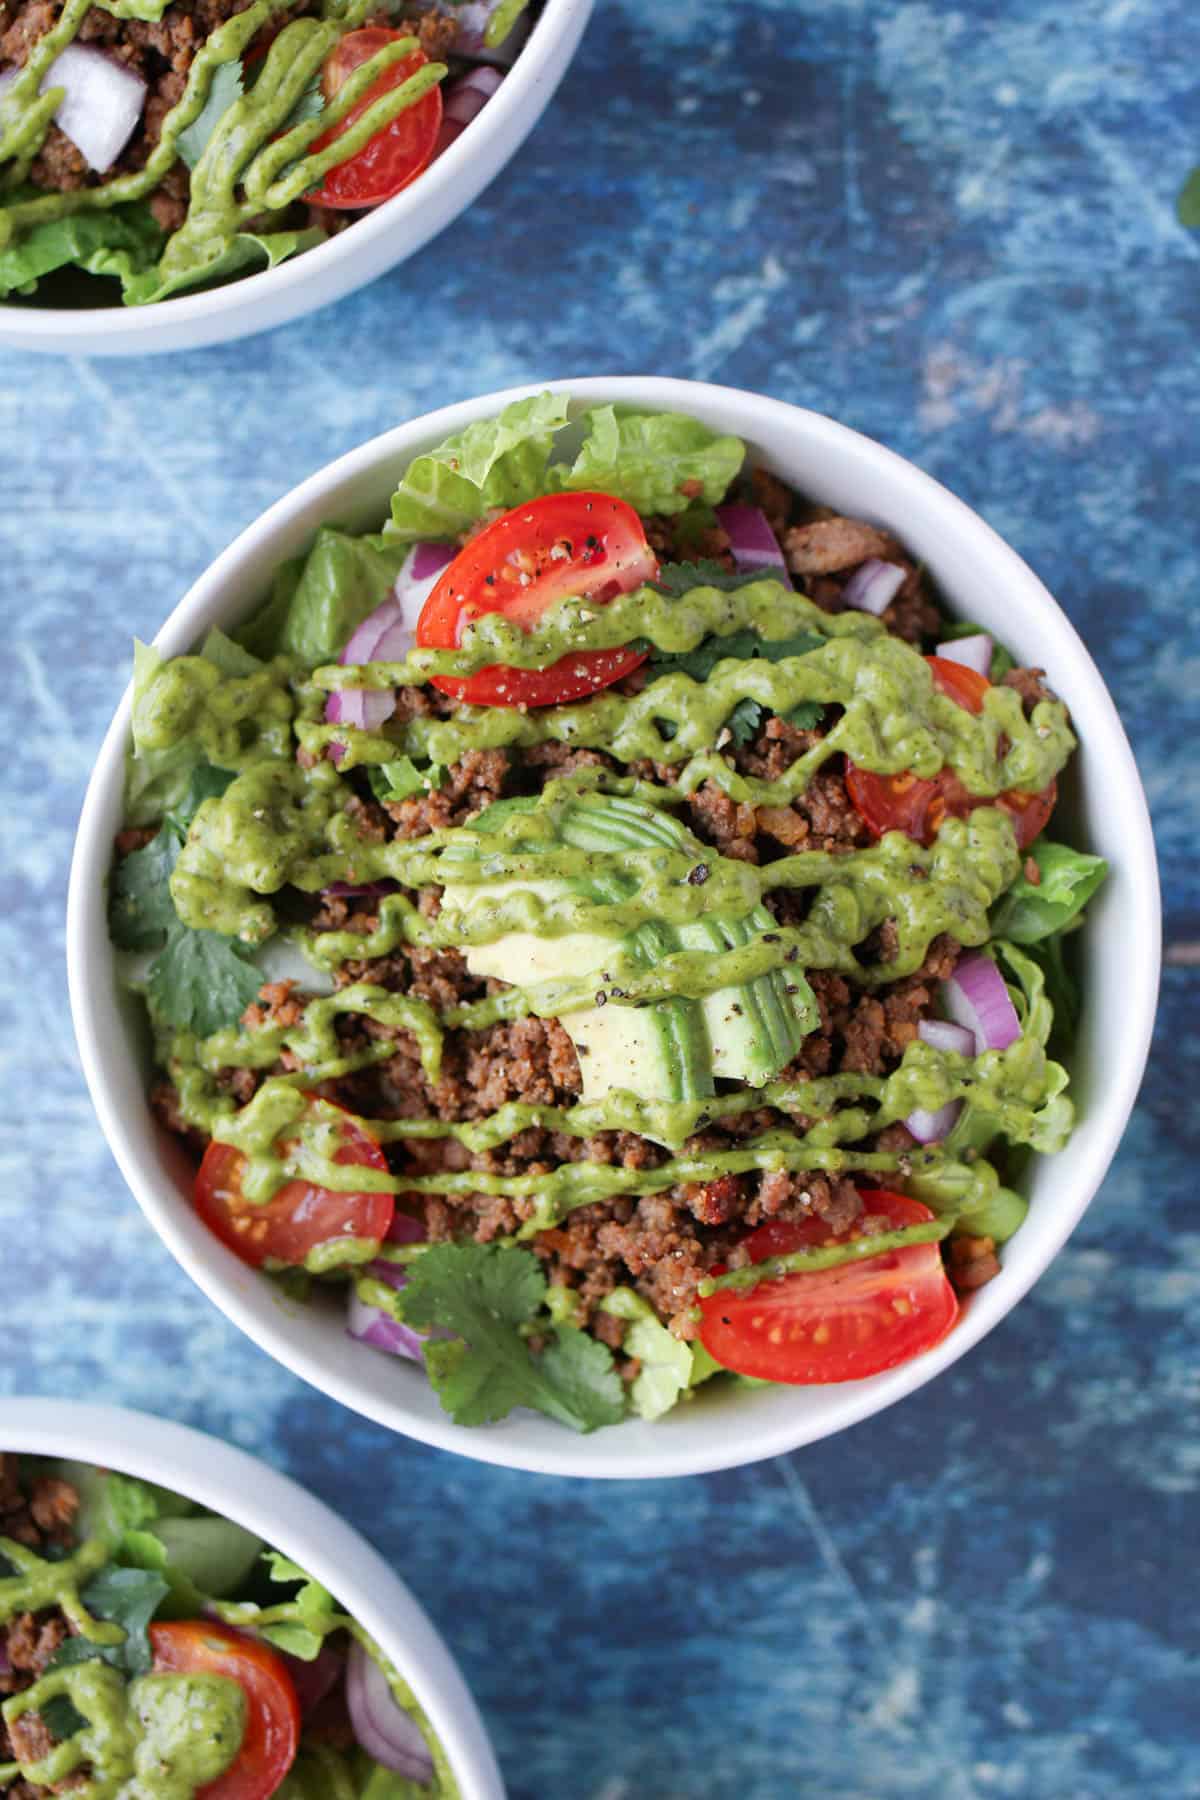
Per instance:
(587,544)
(198,1647)
(299,1216)
(835,1324)
(917,805)
(397,154)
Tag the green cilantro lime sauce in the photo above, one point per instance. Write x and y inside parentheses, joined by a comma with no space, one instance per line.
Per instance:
(37,1583)
(160,1737)
(251,165)
(894,718)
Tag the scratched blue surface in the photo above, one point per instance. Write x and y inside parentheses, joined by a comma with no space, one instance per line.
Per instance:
(952,228)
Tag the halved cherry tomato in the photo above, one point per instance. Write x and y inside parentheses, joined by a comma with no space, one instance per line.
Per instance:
(397,154)
(300,1216)
(917,804)
(586,544)
(835,1324)
(201,1647)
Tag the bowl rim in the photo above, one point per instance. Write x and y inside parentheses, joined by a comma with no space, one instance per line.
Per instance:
(208,600)
(252,1493)
(442,192)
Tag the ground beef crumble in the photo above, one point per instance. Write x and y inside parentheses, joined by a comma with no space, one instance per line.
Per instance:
(40,1514)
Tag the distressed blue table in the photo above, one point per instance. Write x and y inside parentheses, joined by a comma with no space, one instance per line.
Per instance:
(954,229)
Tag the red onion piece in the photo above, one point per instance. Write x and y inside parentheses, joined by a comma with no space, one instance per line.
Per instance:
(428,560)
(101,106)
(931,1127)
(371,1325)
(387,635)
(873,586)
(752,543)
(472,17)
(975,996)
(382,1726)
(313,1680)
(941,1034)
(404,1229)
(974,652)
(462,102)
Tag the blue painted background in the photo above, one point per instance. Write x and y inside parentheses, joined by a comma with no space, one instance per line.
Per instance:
(952,228)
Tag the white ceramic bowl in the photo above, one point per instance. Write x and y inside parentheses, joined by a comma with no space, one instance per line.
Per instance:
(229,1482)
(1103,806)
(348,261)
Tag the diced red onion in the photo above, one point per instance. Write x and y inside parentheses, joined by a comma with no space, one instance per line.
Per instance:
(383,1728)
(313,1680)
(752,543)
(404,1229)
(942,1034)
(873,586)
(371,1325)
(932,1127)
(472,18)
(974,652)
(101,105)
(462,102)
(387,635)
(975,996)
(428,560)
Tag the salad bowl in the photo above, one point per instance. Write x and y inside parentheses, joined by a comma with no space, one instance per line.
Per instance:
(1101,803)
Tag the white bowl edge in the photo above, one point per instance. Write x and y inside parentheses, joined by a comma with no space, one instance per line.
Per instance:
(968,561)
(237,1485)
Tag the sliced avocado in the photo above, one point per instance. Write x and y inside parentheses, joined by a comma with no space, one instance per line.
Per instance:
(672,1049)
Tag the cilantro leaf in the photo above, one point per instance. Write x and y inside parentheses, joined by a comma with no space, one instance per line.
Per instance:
(202,981)
(61,1717)
(140,909)
(486,1293)
(805,715)
(224,91)
(125,1597)
(206,783)
(739,645)
(677,579)
(744,721)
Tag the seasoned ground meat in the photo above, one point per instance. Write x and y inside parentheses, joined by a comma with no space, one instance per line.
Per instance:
(39,1513)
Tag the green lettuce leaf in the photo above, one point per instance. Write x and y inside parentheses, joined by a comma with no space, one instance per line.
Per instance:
(668,1368)
(395,781)
(318,602)
(489,1295)
(122,241)
(492,463)
(657,462)
(1027,913)
(223,258)
(309,1613)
